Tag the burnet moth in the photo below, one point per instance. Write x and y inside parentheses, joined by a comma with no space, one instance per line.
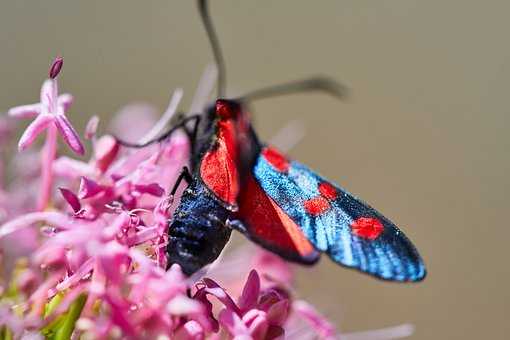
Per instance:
(238,182)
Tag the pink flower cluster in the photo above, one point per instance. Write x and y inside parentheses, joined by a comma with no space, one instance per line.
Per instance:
(82,244)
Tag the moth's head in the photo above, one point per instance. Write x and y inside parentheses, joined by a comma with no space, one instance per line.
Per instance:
(227,109)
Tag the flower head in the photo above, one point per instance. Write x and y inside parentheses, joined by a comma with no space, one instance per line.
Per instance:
(95,264)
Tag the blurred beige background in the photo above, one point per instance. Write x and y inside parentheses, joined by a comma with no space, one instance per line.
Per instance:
(424,136)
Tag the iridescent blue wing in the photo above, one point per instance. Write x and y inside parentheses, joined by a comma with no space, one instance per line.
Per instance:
(351,232)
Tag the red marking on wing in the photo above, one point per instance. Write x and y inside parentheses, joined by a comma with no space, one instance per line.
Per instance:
(367,227)
(316,205)
(276,159)
(328,191)
(269,224)
(219,169)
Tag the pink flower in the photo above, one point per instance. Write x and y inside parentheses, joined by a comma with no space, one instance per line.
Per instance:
(258,314)
(95,264)
(50,110)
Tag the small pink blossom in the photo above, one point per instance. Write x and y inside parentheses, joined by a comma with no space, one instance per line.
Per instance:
(50,110)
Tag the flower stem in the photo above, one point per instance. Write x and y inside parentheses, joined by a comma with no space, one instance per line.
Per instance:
(48,156)
(66,329)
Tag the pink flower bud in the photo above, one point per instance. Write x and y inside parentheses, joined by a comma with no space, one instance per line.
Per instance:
(56,66)
(105,151)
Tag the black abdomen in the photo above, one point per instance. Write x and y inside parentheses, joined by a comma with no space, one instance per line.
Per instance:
(197,233)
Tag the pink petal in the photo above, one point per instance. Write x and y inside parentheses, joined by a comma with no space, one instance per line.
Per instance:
(120,222)
(251,290)
(143,114)
(153,189)
(55,219)
(257,323)
(51,257)
(273,267)
(275,333)
(69,133)
(71,168)
(272,296)
(233,323)
(318,322)
(40,123)
(27,281)
(277,313)
(175,273)
(79,274)
(91,127)
(105,152)
(119,314)
(89,188)
(71,198)
(113,259)
(65,100)
(214,289)
(143,236)
(191,330)
(49,93)
(182,305)
(25,111)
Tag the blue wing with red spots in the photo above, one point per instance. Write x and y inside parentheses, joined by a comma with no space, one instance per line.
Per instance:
(351,232)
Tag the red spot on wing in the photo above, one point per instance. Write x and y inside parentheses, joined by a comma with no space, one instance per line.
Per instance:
(276,159)
(268,224)
(367,227)
(316,205)
(219,169)
(328,191)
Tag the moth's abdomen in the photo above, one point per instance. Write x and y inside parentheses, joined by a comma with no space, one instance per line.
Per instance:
(197,234)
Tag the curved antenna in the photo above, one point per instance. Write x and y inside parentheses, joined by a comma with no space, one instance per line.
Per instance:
(215,45)
(318,83)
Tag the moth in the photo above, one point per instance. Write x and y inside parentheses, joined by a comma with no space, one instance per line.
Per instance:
(236,182)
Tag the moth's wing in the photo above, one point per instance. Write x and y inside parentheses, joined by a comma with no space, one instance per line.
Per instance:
(351,232)
(265,223)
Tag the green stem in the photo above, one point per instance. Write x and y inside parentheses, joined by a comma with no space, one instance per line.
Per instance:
(5,333)
(53,304)
(65,331)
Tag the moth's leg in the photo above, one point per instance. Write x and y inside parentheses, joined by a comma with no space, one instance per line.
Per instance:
(184,175)
(192,133)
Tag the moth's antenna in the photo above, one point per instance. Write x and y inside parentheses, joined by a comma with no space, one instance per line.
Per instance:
(215,45)
(318,83)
